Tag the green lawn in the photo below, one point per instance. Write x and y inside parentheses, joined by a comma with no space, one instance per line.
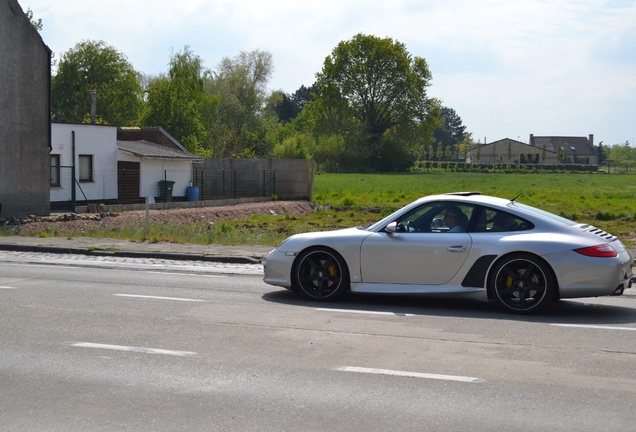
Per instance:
(607,201)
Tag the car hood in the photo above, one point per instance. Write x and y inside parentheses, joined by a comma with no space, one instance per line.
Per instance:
(333,238)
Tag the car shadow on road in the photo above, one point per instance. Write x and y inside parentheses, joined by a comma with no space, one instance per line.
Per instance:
(562,312)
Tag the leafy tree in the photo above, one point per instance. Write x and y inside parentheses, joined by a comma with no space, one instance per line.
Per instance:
(241,84)
(463,147)
(450,130)
(322,121)
(601,153)
(286,106)
(94,65)
(621,153)
(381,86)
(36,23)
(282,105)
(304,95)
(179,104)
(293,147)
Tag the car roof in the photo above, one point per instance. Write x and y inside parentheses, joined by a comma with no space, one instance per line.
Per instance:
(470,197)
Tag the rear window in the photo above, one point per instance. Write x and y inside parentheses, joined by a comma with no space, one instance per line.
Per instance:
(487,219)
(544,214)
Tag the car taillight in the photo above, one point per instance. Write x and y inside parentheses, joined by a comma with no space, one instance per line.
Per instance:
(600,251)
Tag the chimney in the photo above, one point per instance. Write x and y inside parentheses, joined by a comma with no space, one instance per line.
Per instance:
(93,94)
(591,139)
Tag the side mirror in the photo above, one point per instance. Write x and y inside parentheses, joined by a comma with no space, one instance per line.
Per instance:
(391,228)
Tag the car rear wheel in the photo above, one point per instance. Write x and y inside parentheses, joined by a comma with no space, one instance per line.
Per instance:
(523,284)
(321,274)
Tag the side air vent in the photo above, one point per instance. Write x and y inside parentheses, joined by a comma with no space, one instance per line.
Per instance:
(599,232)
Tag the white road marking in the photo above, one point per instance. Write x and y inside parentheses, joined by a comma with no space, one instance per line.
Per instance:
(363,312)
(7,287)
(133,349)
(410,374)
(595,327)
(159,298)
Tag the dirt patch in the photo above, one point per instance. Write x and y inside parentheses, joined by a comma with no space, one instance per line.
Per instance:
(180,216)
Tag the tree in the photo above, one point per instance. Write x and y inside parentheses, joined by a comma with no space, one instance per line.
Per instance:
(282,105)
(36,23)
(178,103)
(241,84)
(92,65)
(466,144)
(621,154)
(287,107)
(294,147)
(601,154)
(379,84)
(544,152)
(450,130)
(302,96)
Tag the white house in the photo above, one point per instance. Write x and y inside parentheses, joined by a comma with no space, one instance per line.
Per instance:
(83,162)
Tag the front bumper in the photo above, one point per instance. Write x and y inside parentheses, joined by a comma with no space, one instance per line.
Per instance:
(277,267)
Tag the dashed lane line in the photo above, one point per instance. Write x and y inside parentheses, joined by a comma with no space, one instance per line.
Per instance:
(357,311)
(159,297)
(133,349)
(389,372)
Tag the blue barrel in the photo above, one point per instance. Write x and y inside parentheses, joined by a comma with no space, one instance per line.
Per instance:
(192,193)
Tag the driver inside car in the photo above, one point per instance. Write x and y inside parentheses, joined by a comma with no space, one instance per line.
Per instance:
(455,219)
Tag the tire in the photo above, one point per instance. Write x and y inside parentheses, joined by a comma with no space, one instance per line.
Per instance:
(320,274)
(522,283)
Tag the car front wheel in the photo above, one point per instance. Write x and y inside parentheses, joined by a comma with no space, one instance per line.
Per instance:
(522,284)
(321,274)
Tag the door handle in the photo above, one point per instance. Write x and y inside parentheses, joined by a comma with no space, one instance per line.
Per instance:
(455,249)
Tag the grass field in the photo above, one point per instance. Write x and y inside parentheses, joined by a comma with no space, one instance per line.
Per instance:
(606,201)
(568,194)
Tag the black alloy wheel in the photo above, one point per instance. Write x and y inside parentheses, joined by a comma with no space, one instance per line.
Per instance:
(321,274)
(523,284)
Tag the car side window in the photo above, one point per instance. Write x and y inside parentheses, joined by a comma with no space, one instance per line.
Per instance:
(500,221)
(437,217)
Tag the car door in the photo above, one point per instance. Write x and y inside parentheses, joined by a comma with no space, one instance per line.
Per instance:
(421,251)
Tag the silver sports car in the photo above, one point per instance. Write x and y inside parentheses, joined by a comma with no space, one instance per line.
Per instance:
(462,244)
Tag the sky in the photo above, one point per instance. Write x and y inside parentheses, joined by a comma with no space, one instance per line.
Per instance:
(508,68)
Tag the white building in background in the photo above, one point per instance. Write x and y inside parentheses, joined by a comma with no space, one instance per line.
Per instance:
(92,150)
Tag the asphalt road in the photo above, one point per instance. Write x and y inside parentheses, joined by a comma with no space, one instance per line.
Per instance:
(112,344)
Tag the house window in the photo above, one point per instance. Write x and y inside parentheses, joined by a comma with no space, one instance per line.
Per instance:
(86,168)
(55,170)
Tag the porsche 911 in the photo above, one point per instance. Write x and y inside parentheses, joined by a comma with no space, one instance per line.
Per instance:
(458,244)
